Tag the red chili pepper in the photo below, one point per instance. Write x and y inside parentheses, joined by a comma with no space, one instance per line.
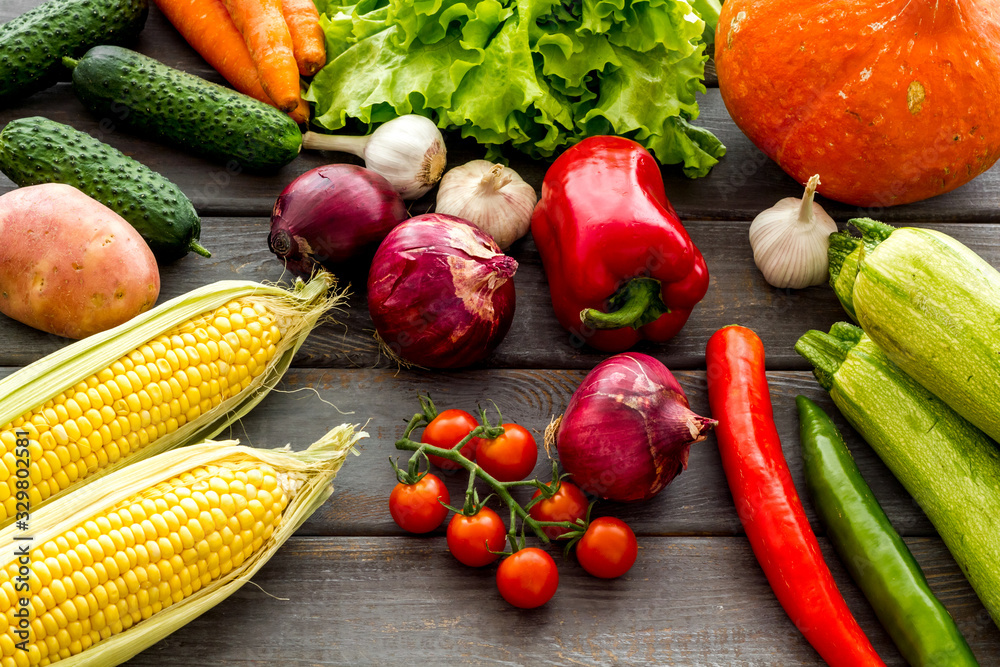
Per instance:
(768,505)
(609,238)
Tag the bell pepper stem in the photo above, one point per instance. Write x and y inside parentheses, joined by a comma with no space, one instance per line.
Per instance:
(635,304)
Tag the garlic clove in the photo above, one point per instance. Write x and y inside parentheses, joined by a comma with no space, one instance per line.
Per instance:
(491,196)
(790,241)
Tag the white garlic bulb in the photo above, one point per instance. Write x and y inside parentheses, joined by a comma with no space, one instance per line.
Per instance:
(407,151)
(790,243)
(490,196)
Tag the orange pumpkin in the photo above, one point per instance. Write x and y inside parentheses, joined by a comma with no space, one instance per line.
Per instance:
(890,101)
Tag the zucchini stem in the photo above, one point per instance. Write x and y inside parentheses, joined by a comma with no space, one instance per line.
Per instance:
(842,244)
(846,332)
(825,352)
(873,232)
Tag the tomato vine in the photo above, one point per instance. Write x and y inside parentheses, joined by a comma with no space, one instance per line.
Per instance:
(520,518)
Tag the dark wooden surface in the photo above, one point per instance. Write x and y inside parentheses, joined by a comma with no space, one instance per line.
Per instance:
(352,589)
(738,295)
(396,600)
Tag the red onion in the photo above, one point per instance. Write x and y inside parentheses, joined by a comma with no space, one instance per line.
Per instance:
(440,292)
(333,214)
(627,430)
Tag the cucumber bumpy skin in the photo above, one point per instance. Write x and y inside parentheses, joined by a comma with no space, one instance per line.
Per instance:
(37,150)
(179,108)
(33,44)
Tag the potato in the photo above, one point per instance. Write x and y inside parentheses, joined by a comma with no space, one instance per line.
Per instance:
(70,265)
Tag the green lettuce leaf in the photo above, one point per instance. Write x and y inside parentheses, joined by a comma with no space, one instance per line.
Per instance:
(537,75)
(709,11)
(376,80)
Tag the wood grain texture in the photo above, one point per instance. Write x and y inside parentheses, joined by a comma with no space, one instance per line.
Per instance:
(309,402)
(742,185)
(374,601)
(697,502)
(737,295)
(350,589)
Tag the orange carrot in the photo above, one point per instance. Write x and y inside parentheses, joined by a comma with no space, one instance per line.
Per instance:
(266,35)
(308,40)
(300,114)
(208,28)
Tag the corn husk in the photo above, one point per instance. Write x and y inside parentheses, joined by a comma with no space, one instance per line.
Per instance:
(318,464)
(298,310)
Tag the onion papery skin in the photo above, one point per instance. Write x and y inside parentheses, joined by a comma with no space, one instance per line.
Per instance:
(441,292)
(331,215)
(627,430)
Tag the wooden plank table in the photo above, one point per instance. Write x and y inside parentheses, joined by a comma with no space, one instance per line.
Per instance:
(350,588)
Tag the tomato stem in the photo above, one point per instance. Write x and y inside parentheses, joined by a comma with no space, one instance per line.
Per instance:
(502,489)
(427,407)
(413,474)
(515,544)
(527,482)
(471,497)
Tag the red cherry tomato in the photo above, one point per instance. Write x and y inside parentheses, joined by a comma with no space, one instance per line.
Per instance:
(511,457)
(447,430)
(471,538)
(528,579)
(608,548)
(567,504)
(417,507)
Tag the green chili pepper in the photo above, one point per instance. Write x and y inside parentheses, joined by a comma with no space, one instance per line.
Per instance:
(873,552)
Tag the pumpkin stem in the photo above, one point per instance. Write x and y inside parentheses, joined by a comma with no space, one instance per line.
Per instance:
(806,211)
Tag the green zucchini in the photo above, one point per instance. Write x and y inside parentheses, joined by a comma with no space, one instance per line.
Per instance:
(184,110)
(33,44)
(37,150)
(951,468)
(933,306)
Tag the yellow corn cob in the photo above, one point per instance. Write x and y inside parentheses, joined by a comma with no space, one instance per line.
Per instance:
(174,381)
(124,565)
(157,544)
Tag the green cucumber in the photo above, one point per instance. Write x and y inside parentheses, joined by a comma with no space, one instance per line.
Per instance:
(33,44)
(37,150)
(933,306)
(181,109)
(951,468)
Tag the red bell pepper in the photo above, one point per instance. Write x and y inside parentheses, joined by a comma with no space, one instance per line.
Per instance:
(768,505)
(620,265)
